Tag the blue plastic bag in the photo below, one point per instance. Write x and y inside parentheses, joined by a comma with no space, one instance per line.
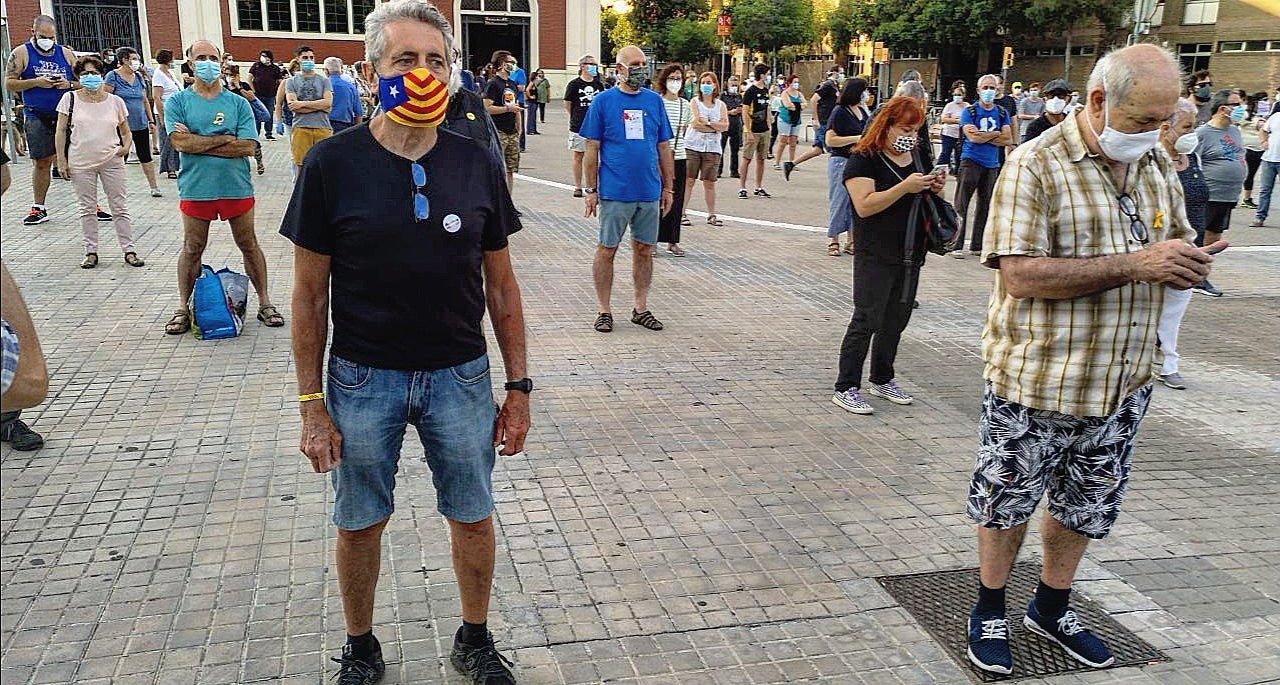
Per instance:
(213,315)
(279,128)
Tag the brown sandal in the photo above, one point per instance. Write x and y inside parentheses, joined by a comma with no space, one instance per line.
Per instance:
(179,324)
(833,249)
(714,220)
(131,258)
(269,316)
(90,261)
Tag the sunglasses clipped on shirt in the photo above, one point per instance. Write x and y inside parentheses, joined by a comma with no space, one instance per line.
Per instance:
(1129,207)
(421,206)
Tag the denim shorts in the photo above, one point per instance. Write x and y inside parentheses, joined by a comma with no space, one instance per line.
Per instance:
(616,216)
(453,412)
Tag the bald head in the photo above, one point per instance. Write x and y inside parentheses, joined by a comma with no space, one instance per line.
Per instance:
(203,49)
(1136,73)
(630,55)
(43,20)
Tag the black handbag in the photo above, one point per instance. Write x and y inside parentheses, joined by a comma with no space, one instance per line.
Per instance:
(941,223)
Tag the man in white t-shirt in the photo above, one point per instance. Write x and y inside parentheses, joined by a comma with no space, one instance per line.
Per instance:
(1270,136)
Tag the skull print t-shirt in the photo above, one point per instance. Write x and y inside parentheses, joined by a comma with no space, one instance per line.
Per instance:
(206,177)
(579,94)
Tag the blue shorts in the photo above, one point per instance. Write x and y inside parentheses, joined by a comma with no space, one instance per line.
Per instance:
(453,412)
(820,137)
(616,216)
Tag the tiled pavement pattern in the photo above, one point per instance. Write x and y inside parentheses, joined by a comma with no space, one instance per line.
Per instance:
(691,508)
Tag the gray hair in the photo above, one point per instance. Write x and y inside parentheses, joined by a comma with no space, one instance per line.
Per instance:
(333,65)
(1117,73)
(583,59)
(911,89)
(1184,109)
(375,25)
(990,77)
(1220,100)
(43,20)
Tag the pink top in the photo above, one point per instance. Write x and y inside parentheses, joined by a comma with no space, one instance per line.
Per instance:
(95,137)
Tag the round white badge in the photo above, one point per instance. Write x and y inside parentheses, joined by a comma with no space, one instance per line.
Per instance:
(452,223)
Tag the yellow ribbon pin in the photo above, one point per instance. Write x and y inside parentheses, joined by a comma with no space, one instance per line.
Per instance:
(1159,222)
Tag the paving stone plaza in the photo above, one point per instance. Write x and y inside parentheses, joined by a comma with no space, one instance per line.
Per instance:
(690,507)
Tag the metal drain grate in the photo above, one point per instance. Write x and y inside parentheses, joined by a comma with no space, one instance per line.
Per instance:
(941,602)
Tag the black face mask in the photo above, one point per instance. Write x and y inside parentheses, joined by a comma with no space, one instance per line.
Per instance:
(1204,92)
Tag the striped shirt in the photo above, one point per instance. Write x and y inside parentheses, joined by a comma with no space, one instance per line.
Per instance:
(680,114)
(11,352)
(1079,356)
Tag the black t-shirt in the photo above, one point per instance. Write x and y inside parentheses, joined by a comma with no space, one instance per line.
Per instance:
(1037,126)
(501,91)
(466,116)
(842,122)
(828,93)
(757,99)
(881,236)
(405,294)
(579,95)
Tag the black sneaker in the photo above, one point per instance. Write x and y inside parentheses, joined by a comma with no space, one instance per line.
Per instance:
(103,216)
(742,194)
(761,192)
(787,168)
(482,664)
(21,437)
(365,670)
(1206,288)
(1249,203)
(35,216)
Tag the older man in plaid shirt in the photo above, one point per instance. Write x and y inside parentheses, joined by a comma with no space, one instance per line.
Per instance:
(1087,227)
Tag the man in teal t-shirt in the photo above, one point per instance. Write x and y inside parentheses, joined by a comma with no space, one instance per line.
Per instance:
(214,133)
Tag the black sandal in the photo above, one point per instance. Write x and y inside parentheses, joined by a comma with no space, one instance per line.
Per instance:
(179,324)
(131,258)
(90,261)
(646,319)
(604,322)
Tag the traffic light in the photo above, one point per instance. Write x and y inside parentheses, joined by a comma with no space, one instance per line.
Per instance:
(1008,57)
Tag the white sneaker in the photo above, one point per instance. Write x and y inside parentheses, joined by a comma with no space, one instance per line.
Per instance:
(890,391)
(851,401)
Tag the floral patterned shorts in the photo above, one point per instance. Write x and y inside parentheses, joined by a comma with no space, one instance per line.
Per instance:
(1083,463)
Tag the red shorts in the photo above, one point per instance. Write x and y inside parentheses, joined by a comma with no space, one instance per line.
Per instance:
(209,210)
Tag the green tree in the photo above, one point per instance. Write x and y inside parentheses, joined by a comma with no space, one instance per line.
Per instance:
(616,31)
(688,41)
(767,25)
(974,24)
(650,17)
(846,21)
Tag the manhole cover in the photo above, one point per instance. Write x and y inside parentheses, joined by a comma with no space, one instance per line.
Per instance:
(941,602)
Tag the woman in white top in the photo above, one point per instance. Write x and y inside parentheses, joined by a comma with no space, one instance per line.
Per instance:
(679,113)
(951,129)
(702,143)
(165,85)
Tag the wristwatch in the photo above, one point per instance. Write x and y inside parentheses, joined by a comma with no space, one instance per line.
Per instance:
(589,190)
(524,385)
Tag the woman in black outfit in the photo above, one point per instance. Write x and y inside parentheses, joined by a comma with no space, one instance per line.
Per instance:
(883,183)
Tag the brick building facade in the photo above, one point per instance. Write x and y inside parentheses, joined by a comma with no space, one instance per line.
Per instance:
(546,34)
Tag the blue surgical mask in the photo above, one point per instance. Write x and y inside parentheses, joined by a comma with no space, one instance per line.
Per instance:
(91,81)
(957,98)
(593,70)
(1239,113)
(208,70)
(987,96)
(308,64)
(706,88)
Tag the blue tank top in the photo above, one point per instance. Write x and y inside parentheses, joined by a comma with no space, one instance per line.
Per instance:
(44,100)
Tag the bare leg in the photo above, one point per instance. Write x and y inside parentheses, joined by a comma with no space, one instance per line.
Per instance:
(742,177)
(1211,237)
(473,566)
(997,550)
(709,193)
(577,170)
(602,274)
(791,148)
(40,179)
(642,273)
(511,180)
(688,193)
(195,234)
(808,155)
(359,557)
(759,173)
(255,263)
(1063,550)
(149,170)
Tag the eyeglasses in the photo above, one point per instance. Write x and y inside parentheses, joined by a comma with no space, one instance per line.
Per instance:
(1129,207)
(421,206)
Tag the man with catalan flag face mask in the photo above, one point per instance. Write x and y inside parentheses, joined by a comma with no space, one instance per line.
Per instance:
(404,267)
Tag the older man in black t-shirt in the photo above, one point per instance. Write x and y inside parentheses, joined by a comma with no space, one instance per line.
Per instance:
(406,267)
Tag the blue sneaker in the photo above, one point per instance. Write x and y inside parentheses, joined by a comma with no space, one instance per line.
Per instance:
(1075,639)
(851,401)
(989,644)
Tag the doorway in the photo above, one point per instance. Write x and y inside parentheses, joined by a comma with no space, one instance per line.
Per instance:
(94,25)
(482,35)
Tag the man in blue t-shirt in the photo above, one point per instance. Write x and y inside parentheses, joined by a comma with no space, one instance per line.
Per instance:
(214,132)
(986,125)
(627,130)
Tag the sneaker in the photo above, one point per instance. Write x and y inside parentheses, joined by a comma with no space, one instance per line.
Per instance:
(1173,380)
(787,168)
(1249,203)
(366,670)
(851,401)
(35,216)
(103,216)
(1257,223)
(482,664)
(20,436)
(958,254)
(975,253)
(742,194)
(890,391)
(989,644)
(155,192)
(734,174)
(761,192)
(1206,288)
(1077,641)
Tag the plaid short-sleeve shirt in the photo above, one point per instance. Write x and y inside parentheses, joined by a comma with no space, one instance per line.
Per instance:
(1079,356)
(10,353)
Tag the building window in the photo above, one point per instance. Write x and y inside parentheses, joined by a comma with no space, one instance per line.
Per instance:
(1082,50)
(1194,56)
(1273,46)
(344,17)
(915,55)
(1249,46)
(1200,12)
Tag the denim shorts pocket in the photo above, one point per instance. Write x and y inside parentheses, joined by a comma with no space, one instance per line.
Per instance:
(348,375)
(472,372)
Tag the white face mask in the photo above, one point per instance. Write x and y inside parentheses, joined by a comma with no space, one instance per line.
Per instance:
(264,59)
(1123,147)
(45,44)
(1055,105)
(673,86)
(904,144)
(1033,93)
(733,89)
(1187,143)
(135,64)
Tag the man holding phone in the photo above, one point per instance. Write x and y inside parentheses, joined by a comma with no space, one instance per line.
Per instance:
(40,69)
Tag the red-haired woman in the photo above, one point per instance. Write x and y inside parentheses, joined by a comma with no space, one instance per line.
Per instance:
(883,182)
